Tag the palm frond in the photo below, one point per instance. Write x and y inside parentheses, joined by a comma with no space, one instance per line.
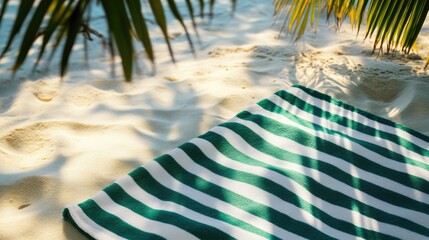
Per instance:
(3,9)
(59,13)
(177,15)
(65,19)
(74,25)
(23,10)
(140,27)
(192,14)
(120,28)
(31,32)
(394,24)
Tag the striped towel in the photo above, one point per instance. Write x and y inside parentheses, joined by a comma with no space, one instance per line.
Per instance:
(298,164)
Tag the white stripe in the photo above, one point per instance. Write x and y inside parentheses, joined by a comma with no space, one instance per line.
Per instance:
(159,228)
(376,140)
(347,144)
(157,172)
(335,211)
(87,225)
(255,194)
(237,142)
(330,107)
(344,143)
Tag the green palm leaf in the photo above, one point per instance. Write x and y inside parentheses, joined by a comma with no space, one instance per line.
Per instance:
(394,24)
(178,16)
(57,18)
(159,14)
(24,9)
(191,13)
(3,9)
(64,19)
(120,27)
(32,30)
(202,4)
(140,27)
(74,25)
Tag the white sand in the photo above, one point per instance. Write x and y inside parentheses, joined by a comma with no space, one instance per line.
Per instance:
(62,141)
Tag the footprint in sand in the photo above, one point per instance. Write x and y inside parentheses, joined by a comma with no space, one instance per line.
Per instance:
(26,147)
(45,96)
(45,91)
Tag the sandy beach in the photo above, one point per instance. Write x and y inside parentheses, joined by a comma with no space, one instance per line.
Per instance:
(63,140)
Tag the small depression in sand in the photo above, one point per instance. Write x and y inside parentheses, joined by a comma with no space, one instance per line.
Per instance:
(23,193)
(25,148)
(380,88)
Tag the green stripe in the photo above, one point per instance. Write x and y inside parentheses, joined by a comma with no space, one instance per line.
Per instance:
(113,223)
(67,216)
(280,191)
(350,123)
(278,216)
(317,189)
(266,212)
(313,186)
(272,107)
(198,229)
(330,148)
(146,181)
(371,116)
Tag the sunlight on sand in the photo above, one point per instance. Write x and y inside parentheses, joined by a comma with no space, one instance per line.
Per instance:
(61,141)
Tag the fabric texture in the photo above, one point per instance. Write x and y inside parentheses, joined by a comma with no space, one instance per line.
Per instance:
(298,164)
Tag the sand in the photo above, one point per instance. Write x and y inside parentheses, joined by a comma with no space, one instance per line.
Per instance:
(63,140)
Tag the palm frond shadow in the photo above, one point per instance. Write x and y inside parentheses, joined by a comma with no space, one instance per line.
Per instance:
(153,127)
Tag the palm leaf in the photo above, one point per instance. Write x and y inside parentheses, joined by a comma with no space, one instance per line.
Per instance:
(24,9)
(32,30)
(57,16)
(178,16)
(394,24)
(120,27)
(140,27)
(202,4)
(159,14)
(65,20)
(3,9)
(74,25)
(191,13)
(60,33)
